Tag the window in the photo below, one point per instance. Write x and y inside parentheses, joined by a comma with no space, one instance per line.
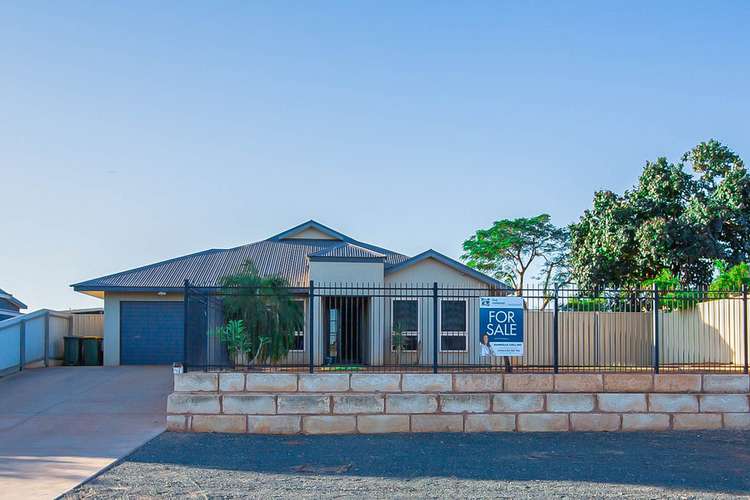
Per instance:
(453,331)
(405,315)
(298,342)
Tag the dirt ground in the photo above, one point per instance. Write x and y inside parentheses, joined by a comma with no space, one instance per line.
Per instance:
(562,465)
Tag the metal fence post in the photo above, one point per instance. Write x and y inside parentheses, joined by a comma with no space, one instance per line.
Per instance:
(744,323)
(555,334)
(22,344)
(656,328)
(435,327)
(185,294)
(311,306)
(46,340)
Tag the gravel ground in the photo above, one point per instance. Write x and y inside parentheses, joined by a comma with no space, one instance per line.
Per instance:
(573,465)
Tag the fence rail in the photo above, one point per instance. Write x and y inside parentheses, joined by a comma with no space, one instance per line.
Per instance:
(433,327)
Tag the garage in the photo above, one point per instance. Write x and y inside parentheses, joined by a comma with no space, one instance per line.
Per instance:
(151,333)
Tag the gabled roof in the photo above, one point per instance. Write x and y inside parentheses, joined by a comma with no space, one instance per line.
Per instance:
(11,299)
(311,224)
(444,259)
(281,255)
(276,256)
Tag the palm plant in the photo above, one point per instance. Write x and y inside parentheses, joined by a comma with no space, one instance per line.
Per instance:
(398,340)
(268,313)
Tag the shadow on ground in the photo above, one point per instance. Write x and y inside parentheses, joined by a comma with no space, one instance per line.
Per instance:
(705,461)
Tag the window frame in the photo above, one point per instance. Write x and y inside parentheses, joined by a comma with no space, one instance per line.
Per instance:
(302,332)
(457,333)
(411,333)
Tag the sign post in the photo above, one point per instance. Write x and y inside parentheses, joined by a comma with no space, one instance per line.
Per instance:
(501,326)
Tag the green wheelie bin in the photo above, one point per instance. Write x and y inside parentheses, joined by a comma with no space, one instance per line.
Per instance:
(72,351)
(91,348)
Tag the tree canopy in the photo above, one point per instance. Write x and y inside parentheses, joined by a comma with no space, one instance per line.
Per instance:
(510,247)
(671,219)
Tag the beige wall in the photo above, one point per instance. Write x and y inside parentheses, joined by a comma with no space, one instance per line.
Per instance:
(424,274)
(342,273)
(112,301)
(430,270)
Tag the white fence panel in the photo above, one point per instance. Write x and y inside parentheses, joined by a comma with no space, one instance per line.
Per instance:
(10,347)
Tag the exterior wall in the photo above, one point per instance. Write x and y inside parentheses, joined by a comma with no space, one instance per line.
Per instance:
(425,273)
(430,270)
(111,342)
(343,403)
(343,272)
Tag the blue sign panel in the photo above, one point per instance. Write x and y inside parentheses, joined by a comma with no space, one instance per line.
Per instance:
(501,326)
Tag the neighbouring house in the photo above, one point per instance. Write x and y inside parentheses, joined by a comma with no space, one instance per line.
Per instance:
(10,307)
(144,311)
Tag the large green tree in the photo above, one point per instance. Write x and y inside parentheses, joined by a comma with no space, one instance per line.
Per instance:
(671,219)
(512,248)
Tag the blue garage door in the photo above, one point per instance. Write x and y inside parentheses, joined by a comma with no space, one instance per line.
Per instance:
(151,333)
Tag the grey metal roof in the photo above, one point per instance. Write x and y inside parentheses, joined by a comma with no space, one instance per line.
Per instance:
(279,255)
(285,258)
(348,250)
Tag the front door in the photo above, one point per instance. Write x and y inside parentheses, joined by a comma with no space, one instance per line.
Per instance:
(346,330)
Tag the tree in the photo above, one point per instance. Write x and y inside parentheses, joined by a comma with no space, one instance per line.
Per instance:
(509,249)
(670,219)
(731,279)
(267,311)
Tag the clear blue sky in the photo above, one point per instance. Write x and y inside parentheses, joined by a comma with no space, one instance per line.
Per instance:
(134,132)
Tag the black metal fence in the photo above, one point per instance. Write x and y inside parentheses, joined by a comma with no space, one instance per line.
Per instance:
(430,327)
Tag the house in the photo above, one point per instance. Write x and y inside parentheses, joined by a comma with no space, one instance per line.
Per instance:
(10,307)
(144,310)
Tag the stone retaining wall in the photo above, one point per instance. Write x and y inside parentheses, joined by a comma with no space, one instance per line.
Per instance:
(334,403)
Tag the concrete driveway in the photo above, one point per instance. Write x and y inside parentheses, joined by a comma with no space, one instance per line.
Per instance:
(59,426)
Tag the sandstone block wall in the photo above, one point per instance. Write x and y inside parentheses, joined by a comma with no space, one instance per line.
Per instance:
(335,403)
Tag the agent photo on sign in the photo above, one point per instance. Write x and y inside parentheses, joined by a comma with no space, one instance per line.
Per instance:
(485,345)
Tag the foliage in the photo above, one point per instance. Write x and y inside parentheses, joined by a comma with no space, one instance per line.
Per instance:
(508,249)
(398,341)
(235,336)
(730,278)
(585,304)
(268,312)
(671,296)
(669,220)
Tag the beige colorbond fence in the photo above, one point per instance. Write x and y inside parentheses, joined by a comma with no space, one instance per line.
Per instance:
(88,324)
(709,333)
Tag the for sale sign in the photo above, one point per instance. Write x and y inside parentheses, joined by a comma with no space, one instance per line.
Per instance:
(501,326)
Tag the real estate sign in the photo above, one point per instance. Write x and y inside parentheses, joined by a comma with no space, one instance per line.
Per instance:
(501,326)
